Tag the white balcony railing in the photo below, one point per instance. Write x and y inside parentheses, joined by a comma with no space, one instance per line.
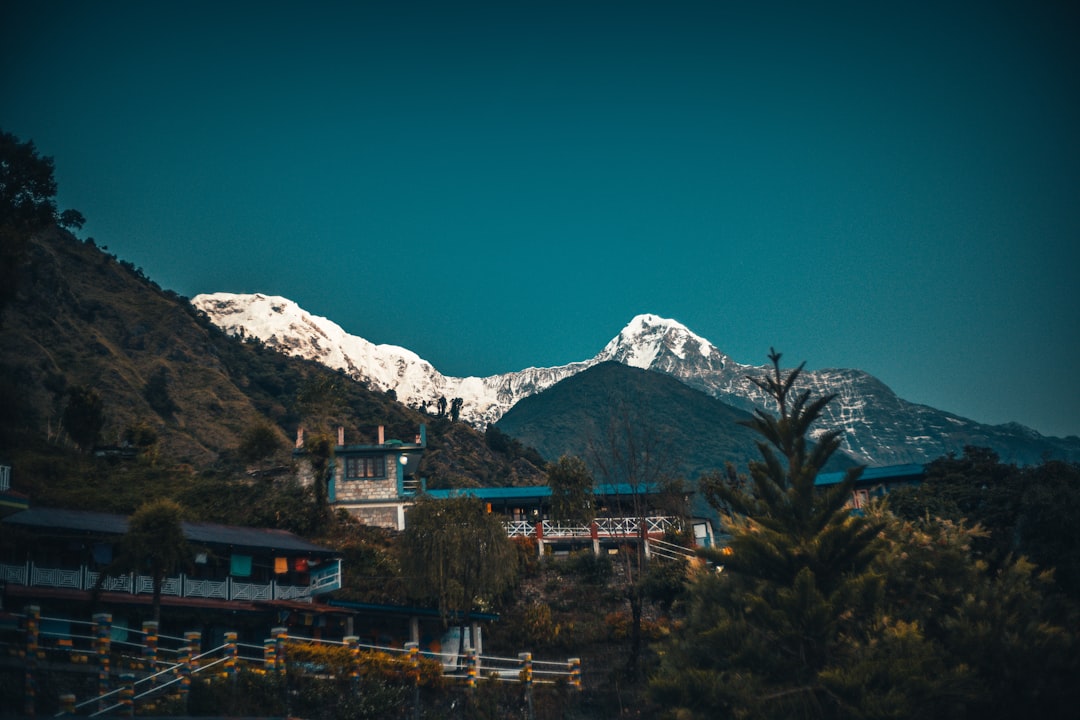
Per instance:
(628,527)
(178,586)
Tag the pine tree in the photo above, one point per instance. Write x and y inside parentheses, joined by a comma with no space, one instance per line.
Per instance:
(775,634)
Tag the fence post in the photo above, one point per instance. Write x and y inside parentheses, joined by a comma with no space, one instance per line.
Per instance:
(184,669)
(67,704)
(470,671)
(127,694)
(230,655)
(526,677)
(575,672)
(194,642)
(594,533)
(280,634)
(414,665)
(353,643)
(33,633)
(103,648)
(270,655)
(150,648)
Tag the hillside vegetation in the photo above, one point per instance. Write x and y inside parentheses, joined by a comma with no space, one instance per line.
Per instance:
(87,329)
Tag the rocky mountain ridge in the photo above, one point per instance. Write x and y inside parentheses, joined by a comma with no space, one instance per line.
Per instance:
(879,427)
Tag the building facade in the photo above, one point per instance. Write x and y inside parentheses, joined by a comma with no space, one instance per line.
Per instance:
(376,480)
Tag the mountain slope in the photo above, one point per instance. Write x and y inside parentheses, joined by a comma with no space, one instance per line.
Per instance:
(879,428)
(693,432)
(83,318)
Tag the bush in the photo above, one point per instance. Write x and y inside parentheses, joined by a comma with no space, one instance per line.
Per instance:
(589,568)
(338,661)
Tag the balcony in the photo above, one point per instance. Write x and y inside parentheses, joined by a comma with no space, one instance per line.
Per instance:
(618,527)
(180,586)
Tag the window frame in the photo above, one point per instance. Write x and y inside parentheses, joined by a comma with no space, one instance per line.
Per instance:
(365,467)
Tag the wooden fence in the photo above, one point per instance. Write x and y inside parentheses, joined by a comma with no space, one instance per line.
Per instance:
(131,671)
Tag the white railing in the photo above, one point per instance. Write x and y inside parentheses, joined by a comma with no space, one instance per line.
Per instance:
(214,589)
(605,527)
(14,574)
(251,591)
(177,586)
(5,478)
(520,528)
(557,530)
(670,551)
(291,592)
(55,577)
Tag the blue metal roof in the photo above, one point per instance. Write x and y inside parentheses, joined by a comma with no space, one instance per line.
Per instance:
(539,491)
(873,475)
(408,610)
(198,532)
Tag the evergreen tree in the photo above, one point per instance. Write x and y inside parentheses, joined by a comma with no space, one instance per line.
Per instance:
(27,206)
(571,490)
(785,630)
(154,545)
(84,416)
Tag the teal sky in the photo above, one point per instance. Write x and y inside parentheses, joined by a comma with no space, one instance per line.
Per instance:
(888,186)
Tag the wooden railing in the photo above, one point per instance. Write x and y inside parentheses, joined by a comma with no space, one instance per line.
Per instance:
(147,664)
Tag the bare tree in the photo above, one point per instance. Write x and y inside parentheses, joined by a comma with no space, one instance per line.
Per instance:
(633,459)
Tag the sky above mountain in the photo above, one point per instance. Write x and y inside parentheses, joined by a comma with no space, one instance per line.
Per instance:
(893,187)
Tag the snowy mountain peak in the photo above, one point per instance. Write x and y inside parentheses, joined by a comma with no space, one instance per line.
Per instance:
(283,325)
(877,427)
(652,342)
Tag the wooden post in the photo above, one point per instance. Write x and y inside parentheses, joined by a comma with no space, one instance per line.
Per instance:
(353,643)
(67,704)
(150,648)
(194,641)
(33,637)
(575,672)
(184,663)
(127,694)
(414,664)
(103,646)
(470,672)
(230,655)
(280,634)
(526,676)
(270,655)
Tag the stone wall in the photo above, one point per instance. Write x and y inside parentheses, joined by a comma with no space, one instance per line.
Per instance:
(378,516)
(365,489)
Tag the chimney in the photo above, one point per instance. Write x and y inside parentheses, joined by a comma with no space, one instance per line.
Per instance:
(382,435)
(299,437)
(341,435)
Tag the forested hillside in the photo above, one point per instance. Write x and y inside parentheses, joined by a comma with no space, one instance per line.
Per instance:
(95,355)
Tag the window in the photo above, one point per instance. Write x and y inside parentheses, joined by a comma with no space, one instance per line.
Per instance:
(365,467)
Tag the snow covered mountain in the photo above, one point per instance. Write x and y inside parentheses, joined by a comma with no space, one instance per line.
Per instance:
(879,427)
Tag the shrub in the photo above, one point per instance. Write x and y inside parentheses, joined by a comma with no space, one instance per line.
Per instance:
(589,568)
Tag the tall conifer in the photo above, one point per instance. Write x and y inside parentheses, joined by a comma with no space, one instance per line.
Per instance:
(776,632)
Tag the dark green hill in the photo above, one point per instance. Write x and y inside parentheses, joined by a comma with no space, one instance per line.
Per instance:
(166,377)
(698,432)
